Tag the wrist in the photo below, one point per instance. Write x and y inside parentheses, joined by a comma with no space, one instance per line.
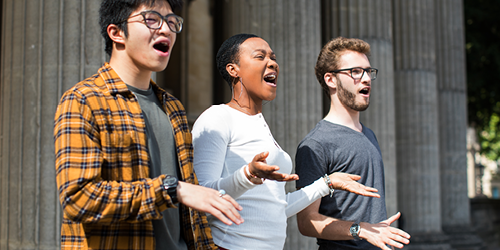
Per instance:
(354,230)
(362,230)
(251,177)
(329,183)
(170,186)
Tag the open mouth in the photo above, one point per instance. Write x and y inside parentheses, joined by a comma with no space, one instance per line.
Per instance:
(270,78)
(364,91)
(163,47)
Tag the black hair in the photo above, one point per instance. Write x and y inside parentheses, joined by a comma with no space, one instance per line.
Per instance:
(229,53)
(116,11)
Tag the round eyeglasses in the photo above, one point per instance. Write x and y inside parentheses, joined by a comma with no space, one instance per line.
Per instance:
(357,72)
(154,20)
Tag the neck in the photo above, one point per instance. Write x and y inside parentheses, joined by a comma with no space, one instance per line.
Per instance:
(342,115)
(243,103)
(130,73)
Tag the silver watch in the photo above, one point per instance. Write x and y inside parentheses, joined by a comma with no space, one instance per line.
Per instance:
(354,230)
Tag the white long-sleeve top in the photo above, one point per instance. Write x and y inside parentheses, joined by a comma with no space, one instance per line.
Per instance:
(225,140)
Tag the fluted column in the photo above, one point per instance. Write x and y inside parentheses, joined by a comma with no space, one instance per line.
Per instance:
(450,58)
(292,29)
(47,46)
(417,130)
(371,20)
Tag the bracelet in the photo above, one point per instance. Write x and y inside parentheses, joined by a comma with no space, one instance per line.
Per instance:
(251,176)
(329,184)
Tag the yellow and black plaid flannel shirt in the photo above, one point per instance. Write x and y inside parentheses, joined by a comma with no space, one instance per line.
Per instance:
(102,168)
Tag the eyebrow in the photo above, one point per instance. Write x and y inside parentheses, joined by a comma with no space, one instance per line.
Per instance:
(264,52)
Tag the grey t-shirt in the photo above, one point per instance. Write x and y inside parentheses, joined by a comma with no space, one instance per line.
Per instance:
(332,148)
(162,152)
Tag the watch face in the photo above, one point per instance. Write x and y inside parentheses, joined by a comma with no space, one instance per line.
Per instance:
(170,181)
(354,229)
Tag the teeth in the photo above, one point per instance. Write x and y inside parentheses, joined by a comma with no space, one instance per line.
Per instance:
(270,77)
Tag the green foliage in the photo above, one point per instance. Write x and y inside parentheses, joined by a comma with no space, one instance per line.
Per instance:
(490,138)
(482,35)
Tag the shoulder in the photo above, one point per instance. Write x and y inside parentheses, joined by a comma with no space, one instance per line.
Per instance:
(317,135)
(216,117)
(369,133)
(83,91)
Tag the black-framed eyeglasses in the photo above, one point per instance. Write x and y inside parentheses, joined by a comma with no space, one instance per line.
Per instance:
(154,20)
(357,72)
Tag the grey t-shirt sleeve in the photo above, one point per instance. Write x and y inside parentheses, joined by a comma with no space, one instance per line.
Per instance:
(311,162)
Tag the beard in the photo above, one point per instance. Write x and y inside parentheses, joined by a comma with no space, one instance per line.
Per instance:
(348,98)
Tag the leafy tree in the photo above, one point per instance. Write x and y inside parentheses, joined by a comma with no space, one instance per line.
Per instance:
(482,35)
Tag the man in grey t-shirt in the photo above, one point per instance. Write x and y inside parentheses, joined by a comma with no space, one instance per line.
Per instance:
(340,143)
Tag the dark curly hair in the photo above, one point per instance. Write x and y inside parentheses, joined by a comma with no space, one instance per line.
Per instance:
(329,57)
(229,53)
(115,11)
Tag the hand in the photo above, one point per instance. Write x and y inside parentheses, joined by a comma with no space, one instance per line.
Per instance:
(382,234)
(259,168)
(348,182)
(209,200)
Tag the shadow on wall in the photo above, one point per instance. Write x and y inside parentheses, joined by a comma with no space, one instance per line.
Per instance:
(485,220)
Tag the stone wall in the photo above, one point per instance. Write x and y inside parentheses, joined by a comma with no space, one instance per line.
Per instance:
(485,221)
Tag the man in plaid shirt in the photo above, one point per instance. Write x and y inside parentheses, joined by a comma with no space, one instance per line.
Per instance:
(123,146)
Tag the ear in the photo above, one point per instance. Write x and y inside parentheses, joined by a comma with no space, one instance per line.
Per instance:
(116,34)
(330,80)
(233,69)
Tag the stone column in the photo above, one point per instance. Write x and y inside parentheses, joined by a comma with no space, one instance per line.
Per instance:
(47,46)
(292,29)
(417,122)
(450,63)
(371,21)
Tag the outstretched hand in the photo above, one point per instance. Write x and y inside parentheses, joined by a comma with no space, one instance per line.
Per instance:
(382,234)
(209,201)
(259,168)
(348,182)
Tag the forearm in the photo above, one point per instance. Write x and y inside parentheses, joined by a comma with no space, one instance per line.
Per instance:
(324,227)
(111,201)
(235,185)
(300,199)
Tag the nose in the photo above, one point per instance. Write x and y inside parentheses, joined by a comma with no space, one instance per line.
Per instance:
(164,29)
(366,77)
(272,64)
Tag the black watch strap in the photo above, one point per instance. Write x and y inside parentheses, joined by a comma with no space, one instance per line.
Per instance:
(170,185)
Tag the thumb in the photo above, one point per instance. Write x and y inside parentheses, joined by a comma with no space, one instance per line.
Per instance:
(261,156)
(393,218)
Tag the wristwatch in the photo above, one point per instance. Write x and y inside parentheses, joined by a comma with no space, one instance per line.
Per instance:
(354,230)
(170,185)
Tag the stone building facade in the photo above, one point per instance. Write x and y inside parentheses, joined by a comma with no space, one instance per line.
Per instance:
(418,109)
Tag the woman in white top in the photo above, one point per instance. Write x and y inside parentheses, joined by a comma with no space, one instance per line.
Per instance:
(234,150)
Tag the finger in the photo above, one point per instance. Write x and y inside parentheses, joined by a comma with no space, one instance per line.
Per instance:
(395,244)
(370,194)
(219,215)
(400,239)
(281,177)
(370,189)
(228,211)
(292,177)
(258,167)
(353,176)
(400,233)
(362,190)
(232,201)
